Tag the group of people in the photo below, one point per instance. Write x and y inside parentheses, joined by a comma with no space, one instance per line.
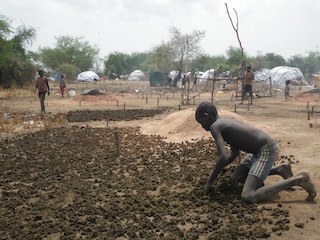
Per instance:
(42,85)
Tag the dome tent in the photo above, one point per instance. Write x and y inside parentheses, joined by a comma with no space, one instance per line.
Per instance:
(279,76)
(88,76)
(137,75)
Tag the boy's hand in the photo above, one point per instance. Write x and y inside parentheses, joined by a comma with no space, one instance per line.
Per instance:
(207,189)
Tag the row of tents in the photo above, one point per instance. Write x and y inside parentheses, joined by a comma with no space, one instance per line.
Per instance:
(276,76)
(90,76)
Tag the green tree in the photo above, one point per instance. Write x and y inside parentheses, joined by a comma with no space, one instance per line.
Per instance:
(138,61)
(117,63)
(70,51)
(311,63)
(274,60)
(204,62)
(178,51)
(15,66)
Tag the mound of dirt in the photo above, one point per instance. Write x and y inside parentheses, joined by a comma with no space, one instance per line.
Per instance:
(182,126)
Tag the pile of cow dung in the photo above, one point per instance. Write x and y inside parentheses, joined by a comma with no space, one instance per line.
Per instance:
(76,182)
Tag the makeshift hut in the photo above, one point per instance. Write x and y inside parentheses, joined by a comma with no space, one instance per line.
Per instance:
(207,74)
(88,76)
(279,76)
(137,75)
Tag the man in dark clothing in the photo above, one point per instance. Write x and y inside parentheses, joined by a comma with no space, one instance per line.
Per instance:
(42,85)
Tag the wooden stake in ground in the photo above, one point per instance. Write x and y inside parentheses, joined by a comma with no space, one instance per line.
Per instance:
(117,142)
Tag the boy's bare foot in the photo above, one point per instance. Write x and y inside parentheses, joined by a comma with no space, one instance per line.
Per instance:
(307,185)
(285,170)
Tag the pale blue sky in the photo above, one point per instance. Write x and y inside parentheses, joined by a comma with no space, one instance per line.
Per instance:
(285,27)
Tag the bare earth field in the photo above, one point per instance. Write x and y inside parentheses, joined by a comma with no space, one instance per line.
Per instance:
(131,163)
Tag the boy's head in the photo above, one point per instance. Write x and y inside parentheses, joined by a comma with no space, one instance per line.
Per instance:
(40,72)
(206,114)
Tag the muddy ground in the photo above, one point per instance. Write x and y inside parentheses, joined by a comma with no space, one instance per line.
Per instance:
(70,181)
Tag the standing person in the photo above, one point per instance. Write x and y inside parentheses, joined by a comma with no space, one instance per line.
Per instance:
(169,79)
(287,90)
(184,80)
(248,78)
(258,163)
(42,85)
(62,85)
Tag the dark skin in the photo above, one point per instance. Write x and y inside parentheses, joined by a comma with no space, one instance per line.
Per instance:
(243,137)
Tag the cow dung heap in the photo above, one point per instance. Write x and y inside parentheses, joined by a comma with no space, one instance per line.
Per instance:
(69,183)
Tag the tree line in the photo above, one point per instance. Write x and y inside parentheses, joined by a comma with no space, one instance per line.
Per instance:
(181,52)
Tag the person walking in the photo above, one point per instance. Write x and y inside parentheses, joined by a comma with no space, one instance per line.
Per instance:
(62,84)
(42,84)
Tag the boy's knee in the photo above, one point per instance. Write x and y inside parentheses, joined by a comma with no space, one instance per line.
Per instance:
(248,197)
(240,174)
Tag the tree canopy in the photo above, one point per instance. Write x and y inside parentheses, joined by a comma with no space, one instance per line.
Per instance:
(70,55)
(15,66)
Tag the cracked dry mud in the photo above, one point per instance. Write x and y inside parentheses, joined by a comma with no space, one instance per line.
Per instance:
(69,183)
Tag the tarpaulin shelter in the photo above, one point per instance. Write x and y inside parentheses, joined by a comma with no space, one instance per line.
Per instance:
(279,76)
(207,74)
(137,75)
(88,76)
(261,74)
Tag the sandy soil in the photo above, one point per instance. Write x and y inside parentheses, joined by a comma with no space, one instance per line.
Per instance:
(286,121)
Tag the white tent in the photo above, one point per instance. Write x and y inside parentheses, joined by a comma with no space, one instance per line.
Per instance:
(279,76)
(137,75)
(261,74)
(207,74)
(88,76)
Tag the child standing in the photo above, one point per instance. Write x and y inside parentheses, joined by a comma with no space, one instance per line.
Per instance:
(62,84)
(287,90)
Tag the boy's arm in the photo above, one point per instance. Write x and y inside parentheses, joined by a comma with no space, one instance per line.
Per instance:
(221,163)
(47,82)
(36,86)
(224,157)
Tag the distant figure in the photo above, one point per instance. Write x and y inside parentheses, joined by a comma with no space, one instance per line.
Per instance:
(184,80)
(248,78)
(194,82)
(169,79)
(287,90)
(262,150)
(42,85)
(62,85)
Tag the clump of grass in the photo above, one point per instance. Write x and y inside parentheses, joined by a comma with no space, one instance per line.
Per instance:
(8,124)
(54,121)
(16,92)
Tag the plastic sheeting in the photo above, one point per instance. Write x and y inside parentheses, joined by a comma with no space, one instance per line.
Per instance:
(137,75)
(88,76)
(207,74)
(279,76)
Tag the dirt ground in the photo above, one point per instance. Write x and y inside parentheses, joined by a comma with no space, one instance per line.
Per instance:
(63,176)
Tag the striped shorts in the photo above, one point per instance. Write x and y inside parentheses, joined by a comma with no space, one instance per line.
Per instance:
(261,162)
